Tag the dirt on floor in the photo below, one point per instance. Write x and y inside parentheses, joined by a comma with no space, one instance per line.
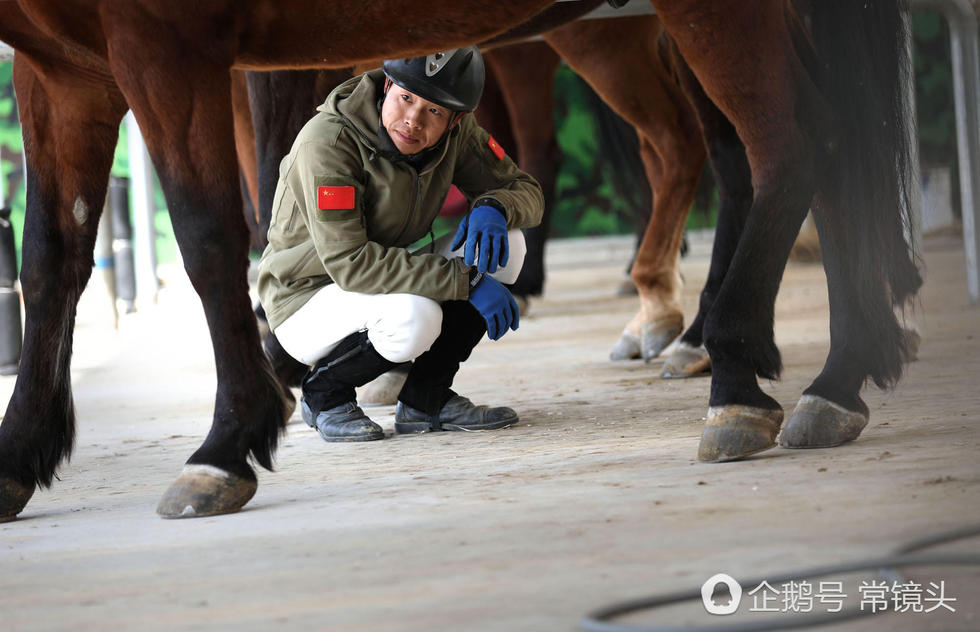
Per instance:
(595,497)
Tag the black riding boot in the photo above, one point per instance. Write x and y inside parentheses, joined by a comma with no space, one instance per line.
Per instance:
(427,402)
(329,403)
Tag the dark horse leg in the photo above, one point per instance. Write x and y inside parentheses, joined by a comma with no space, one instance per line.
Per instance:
(862,326)
(70,124)
(631,76)
(201,184)
(726,154)
(797,146)
(492,114)
(525,77)
(280,103)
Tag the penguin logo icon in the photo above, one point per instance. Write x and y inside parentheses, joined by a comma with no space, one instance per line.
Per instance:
(709,589)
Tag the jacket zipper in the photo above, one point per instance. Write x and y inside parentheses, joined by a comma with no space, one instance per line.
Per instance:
(418,192)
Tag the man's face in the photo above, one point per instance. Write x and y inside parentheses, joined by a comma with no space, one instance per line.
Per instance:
(412,122)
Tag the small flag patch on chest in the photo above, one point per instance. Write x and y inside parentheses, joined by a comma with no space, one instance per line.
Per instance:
(495,147)
(334,198)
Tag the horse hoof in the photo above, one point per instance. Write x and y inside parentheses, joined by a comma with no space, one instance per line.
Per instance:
(383,391)
(734,432)
(627,347)
(660,333)
(686,361)
(820,423)
(205,490)
(13,498)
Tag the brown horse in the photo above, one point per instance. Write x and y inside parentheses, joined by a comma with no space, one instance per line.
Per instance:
(623,60)
(821,118)
(79,65)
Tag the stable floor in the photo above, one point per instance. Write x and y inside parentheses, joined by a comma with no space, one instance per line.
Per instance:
(595,497)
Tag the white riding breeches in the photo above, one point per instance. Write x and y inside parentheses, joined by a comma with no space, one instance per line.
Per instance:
(400,326)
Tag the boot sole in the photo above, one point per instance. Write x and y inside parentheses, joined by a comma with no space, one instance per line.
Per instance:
(370,437)
(419,427)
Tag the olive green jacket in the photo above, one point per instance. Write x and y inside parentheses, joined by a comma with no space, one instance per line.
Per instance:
(345,214)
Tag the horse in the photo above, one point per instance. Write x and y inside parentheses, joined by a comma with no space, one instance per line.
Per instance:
(631,76)
(672,151)
(832,135)
(79,65)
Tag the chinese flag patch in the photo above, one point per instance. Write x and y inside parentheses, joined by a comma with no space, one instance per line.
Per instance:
(335,198)
(495,147)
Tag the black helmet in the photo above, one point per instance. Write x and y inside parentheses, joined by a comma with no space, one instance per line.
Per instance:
(451,78)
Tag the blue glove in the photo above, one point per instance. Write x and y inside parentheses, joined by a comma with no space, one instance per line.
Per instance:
(487,227)
(496,305)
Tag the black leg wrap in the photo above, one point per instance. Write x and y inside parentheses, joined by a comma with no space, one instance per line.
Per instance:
(427,388)
(352,363)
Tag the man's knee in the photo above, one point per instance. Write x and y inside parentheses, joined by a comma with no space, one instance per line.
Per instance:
(407,328)
(517,249)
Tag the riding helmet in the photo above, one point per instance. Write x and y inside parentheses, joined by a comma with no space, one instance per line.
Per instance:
(451,78)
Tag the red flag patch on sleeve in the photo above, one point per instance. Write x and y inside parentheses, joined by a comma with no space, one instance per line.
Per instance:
(334,198)
(495,147)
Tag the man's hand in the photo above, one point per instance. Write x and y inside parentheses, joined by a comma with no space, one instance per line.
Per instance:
(487,227)
(496,305)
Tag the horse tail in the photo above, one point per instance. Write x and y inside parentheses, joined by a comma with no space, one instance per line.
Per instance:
(864,75)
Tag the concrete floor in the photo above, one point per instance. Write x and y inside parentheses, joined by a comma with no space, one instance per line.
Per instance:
(595,497)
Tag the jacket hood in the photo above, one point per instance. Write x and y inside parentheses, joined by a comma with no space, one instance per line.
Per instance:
(356,102)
